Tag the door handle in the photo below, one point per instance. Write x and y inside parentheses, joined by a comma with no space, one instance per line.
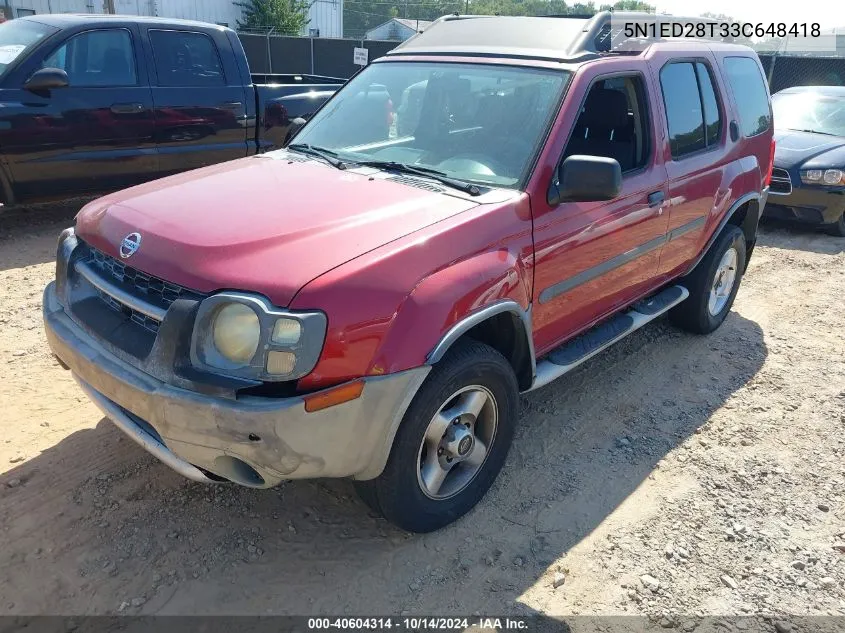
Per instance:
(231,105)
(656,198)
(127,108)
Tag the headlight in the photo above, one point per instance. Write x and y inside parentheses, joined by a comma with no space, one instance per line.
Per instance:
(286,332)
(245,336)
(823,176)
(236,332)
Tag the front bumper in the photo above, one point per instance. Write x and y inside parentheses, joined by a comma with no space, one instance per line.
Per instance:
(806,204)
(252,441)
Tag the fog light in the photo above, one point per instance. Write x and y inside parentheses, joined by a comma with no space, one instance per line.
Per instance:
(280,363)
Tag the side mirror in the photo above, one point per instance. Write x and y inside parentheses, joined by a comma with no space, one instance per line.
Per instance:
(587,179)
(297,124)
(47,79)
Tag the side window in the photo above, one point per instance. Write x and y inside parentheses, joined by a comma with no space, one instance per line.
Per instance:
(683,108)
(97,58)
(712,118)
(752,101)
(186,58)
(614,123)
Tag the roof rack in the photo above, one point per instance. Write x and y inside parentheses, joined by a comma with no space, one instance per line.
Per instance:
(560,38)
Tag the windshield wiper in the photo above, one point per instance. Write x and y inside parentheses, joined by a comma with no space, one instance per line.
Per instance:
(427,172)
(813,131)
(321,152)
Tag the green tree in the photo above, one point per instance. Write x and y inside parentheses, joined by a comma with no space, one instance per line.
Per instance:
(629,5)
(286,16)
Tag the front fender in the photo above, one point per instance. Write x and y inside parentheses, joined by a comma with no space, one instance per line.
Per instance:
(442,300)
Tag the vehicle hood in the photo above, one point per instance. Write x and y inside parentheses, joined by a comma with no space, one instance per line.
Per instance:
(797,149)
(262,224)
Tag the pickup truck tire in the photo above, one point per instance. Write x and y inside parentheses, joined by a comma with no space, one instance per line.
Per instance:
(836,228)
(471,396)
(713,284)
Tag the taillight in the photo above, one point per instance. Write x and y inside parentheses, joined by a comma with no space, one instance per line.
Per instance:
(768,178)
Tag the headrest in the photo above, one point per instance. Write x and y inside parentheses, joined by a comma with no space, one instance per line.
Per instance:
(605,109)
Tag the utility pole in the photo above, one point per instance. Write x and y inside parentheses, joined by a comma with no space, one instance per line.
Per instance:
(466,7)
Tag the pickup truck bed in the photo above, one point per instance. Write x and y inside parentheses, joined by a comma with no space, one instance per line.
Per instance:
(142,98)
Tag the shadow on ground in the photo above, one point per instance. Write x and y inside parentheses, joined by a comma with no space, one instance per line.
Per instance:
(93,523)
(786,235)
(37,227)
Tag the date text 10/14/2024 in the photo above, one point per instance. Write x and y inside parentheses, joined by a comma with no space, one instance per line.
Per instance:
(421,623)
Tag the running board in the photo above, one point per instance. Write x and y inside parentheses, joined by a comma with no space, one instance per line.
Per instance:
(571,354)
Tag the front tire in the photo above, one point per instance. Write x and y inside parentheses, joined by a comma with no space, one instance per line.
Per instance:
(836,228)
(451,443)
(713,284)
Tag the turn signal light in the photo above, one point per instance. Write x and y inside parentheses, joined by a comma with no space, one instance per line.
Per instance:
(336,395)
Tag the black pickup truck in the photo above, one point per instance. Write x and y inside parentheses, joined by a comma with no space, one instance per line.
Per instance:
(90,104)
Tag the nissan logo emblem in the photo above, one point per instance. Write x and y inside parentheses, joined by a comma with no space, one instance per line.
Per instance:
(130,244)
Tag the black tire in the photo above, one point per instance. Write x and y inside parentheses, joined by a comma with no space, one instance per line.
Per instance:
(397,493)
(694,314)
(836,228)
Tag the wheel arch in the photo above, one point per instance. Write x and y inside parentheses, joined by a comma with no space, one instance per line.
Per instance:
(745,213)
(506,327)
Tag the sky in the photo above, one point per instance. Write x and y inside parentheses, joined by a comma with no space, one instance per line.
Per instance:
(828,13)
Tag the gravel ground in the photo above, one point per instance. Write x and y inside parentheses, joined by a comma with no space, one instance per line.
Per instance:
(672,476)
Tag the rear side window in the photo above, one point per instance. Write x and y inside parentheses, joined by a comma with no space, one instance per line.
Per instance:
(186,58)
(692,108)
(712,120)
(752,101)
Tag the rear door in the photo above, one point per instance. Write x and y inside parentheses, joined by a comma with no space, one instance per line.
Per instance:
(94,135)
(592,258)
(199,98)
(696,153)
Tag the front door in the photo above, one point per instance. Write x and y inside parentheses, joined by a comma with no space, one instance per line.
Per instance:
(94,135)
(593,257)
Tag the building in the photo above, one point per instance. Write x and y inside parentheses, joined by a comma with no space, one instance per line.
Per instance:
(397,29)
(325,16)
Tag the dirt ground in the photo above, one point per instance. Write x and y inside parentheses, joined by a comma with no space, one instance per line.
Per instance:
(671,476)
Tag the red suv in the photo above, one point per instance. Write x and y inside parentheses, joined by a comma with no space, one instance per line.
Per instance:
(370,301)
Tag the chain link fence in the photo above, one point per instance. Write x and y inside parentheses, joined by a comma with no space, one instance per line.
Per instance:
(785,71)
(270,53)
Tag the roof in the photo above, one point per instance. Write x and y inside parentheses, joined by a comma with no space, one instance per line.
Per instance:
(558,38)
(833,91)
(64,20)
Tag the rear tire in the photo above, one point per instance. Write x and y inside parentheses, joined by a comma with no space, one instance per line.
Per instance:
(432,479)
(836,228)
(713,284)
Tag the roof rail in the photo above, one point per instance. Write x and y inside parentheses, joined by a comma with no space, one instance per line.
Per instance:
(544,37)
(599,36)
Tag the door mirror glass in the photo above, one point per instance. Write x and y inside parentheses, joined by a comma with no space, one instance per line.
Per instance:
(47,79)
(588,179)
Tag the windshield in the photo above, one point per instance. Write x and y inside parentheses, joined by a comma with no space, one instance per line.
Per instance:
(17,36)
(477,123)
(810,111)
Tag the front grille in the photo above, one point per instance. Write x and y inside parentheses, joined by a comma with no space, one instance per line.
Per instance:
(781,183)
(150,289)
(146,322)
